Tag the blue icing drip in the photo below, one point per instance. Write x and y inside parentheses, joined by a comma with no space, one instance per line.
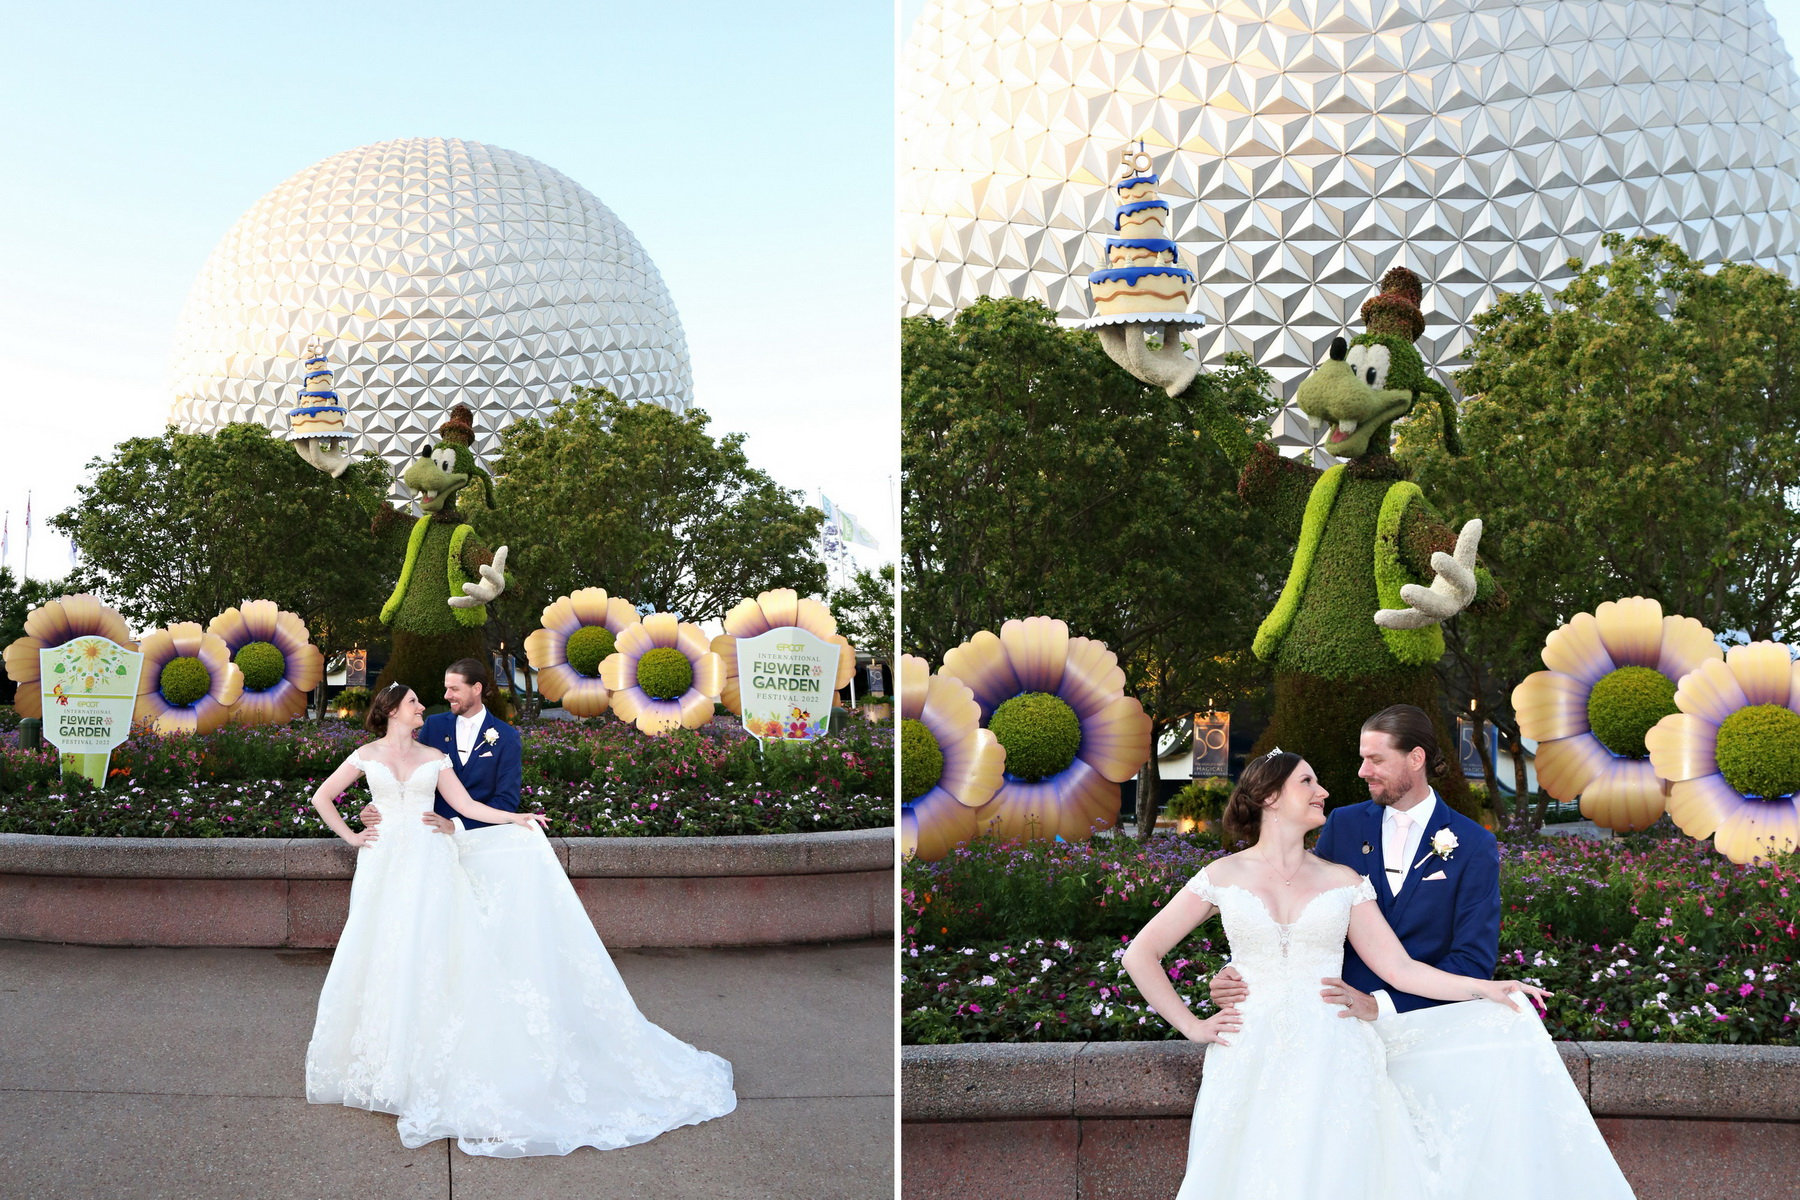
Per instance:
(1135,180)
(1131,275)
(320,395)
(319,359)
(313,410)
(1157,244)
(316,374)
(1137,206)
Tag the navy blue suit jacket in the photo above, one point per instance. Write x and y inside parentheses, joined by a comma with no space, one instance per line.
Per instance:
(1451,923)
(494,768)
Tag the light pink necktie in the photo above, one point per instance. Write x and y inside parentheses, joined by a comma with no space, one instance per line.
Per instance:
(1395,849)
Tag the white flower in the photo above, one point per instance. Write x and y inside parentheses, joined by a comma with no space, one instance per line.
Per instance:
(491,736)
(1443,843)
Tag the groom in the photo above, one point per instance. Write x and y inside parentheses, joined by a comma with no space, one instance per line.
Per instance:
(1436,872)
(484,750)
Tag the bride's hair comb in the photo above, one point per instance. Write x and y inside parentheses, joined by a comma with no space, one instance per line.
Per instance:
(1273,753)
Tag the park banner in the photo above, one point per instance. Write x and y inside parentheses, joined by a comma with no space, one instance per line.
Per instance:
(785,677)
(90,687)
(1212,745)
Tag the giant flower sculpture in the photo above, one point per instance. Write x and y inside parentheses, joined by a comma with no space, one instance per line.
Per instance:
(663,675)
(277,658)
(580,631)
(1611,678)
(777,609)
(949,765)
(1732,752)
(189,682)
(49,626)
(1057,704)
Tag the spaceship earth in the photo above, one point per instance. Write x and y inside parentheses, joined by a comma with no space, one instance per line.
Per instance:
(1306,146)
(432,271)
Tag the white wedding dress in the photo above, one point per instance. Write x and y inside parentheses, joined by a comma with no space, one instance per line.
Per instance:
(1302,1103)
(470,996)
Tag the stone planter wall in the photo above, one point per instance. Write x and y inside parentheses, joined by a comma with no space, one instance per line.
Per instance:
(1085,1120)
(700,891)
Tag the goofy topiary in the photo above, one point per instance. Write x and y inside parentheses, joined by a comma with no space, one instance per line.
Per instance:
(439,607)
(1355,630)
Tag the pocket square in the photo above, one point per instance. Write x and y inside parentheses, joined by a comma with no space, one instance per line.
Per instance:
(490,754)
(1434,875)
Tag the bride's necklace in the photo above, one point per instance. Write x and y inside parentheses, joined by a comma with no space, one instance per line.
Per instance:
(1289,881)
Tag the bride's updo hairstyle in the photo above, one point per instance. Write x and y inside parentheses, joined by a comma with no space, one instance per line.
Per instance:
(382,707)
(1259,783)
(1411,729)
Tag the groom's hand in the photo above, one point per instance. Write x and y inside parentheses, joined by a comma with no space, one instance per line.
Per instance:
(1228,988)
(370,816)
(1356,1004)
(440,823)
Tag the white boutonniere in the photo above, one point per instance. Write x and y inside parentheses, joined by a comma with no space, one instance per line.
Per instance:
(493,735)
(1443,844)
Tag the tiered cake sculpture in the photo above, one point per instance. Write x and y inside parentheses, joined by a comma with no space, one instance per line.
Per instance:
(317,427)
(1142,278)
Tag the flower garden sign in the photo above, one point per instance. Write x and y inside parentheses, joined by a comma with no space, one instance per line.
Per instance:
(90,688)
(785,679)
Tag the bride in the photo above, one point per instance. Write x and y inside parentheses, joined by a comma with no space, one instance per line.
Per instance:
(1295,1101)
(490,1013)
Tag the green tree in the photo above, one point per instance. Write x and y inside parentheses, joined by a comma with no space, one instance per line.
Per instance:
(1041,479)
(181,526)
(1638,435)
(645,503)
(17,598)
(865,613)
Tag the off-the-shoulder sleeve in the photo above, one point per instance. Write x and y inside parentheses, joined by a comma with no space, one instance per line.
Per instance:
(1202,887)
(355,759)
(444,764)
(1364,890)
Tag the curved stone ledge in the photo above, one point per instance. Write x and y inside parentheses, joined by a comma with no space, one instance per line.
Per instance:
(1068,1119)
(701,891)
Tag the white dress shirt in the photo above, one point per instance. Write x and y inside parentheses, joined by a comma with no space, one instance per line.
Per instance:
(468,728)
(1420,815)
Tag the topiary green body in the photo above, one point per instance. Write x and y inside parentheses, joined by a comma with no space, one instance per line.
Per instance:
(664,673)
(588,647)
(1759,751)
(1625,704)
(263,666)
(183,681)
(1040,732)
(921,760)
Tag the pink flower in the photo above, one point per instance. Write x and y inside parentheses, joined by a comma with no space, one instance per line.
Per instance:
(1745,989)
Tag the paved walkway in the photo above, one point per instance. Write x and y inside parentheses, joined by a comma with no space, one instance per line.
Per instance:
(179,1073)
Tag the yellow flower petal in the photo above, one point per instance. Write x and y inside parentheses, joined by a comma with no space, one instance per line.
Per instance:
(780,606)
(187,637)
(657,717)
(231,626)
(289,630)
(627,703)
(934,825)
(1627,795)
(1551,705)
(746,619)
(306,668)
(1116,740)
(1567,766)
(589,605)
(1577,649)
(974,769)
(1764,670)
(982,663)
(587,697)
(1686,643)
(227,689)
(696,709)
(621,614)
(1757,831)
(1682,746)
(1699,806)
(1632,630)
(22,660)
(814,617)
(1071,804)
(559,617)
(158,651)
(1710,691)
(915,678)
(1038,648)
(1092,678)
(690,641)
(661,628)
(846,669)
(709,676)
(634,641)
(618,671)
(542,649)
(555,681)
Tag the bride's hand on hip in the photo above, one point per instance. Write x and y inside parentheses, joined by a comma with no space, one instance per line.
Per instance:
(361,840)
(1215,1027)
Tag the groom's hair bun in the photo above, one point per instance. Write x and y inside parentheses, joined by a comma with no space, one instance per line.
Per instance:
(1411,729)
(1261,779)
(382,707)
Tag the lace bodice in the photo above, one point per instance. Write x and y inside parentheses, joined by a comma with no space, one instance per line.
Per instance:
(397,797)
(1265,952)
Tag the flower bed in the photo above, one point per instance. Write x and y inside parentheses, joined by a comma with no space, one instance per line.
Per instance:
(1647,938)
(598,779)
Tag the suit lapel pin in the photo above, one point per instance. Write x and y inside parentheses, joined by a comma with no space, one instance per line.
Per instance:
(1366,849)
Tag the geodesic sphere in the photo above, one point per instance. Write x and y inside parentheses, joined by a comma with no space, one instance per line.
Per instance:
(433,271)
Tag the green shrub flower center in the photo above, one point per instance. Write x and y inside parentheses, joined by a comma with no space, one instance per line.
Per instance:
(588,647)
(1041,734)
(1759,751)
(921,760)
(1624,705)
(664,673)
(183,681)
(263,665)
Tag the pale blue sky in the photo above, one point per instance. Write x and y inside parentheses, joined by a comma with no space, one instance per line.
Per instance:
(748,146)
